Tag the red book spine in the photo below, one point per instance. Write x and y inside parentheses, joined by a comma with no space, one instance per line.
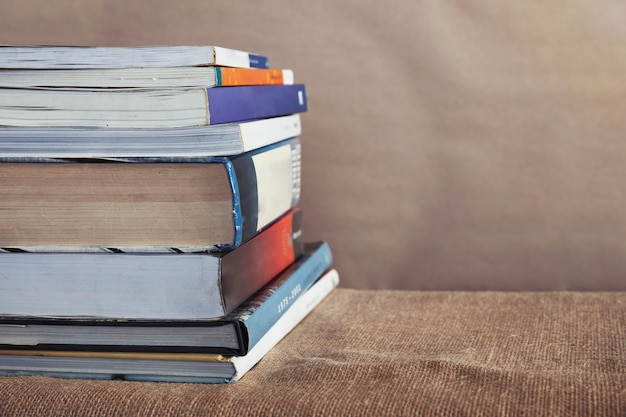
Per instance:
(246,269)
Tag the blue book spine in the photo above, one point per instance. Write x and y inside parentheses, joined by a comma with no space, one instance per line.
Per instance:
(239,103)
(251,178)
(259,61)
(295,281)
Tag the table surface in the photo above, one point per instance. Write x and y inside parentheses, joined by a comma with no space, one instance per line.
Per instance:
(394,353)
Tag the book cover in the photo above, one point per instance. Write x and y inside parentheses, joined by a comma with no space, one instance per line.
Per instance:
(236,333)
(148,108)
(155,204)
(148,286)
(74,57)
(181,367)
(162,77)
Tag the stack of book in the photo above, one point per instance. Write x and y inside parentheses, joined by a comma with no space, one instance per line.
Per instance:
(150,226)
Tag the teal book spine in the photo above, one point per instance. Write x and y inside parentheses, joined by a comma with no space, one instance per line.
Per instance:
(281,293)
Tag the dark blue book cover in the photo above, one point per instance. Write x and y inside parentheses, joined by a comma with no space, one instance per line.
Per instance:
(233,104)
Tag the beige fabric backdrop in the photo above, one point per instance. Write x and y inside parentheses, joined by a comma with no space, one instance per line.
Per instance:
(449,145)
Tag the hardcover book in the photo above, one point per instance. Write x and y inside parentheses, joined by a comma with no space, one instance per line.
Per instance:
(148,108)
(144,204)
(74,57)
(165,367)
(199,141)
(235,334)
(147,286)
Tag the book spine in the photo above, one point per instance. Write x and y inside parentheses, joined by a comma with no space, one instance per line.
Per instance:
(302,275)
(248,76)
(259,133)
(296,313)
(258,61)
(246,269)
(234,58)
(233,104)
(266,183)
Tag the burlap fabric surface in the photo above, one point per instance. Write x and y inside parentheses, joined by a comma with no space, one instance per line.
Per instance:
(395,353)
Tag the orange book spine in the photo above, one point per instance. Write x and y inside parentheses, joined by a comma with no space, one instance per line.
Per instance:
(246,76)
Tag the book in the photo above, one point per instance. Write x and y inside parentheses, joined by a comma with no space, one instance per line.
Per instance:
(74,57)
(160,204)
(148,108)
(199,141)
(165,367)
(235,334)
(163,77)
(147,286)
